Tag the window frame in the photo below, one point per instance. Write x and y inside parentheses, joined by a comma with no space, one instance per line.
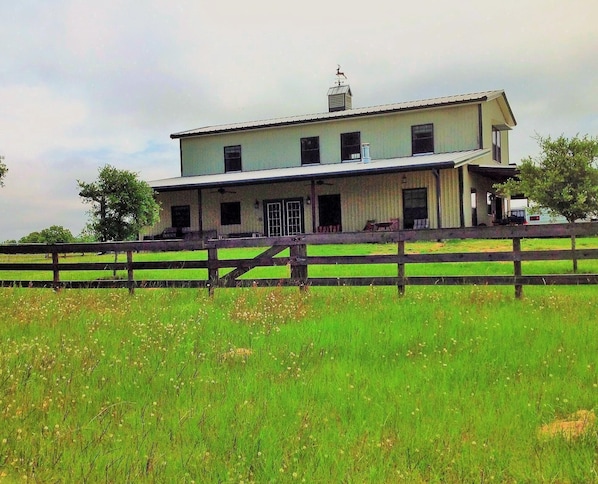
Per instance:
(230,213)
(422,139)
(310,155)
(407,197)
(232,162)
(496,144)
(180,216)
(348,150)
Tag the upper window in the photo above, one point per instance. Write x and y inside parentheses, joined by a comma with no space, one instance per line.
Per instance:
(230,213)
(232,158)
(180,216)
(496,142)
(351,146)
(310,150)
(422,139)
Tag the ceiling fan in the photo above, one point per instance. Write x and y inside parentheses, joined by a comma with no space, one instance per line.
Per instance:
(222,191)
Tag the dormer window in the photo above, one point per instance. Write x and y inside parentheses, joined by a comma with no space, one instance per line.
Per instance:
(422,139)
(232,158)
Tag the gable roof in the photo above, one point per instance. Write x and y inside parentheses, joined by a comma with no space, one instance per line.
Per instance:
(352,113)
(319,171)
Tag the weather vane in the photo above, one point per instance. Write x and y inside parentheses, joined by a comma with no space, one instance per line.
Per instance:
(340,76)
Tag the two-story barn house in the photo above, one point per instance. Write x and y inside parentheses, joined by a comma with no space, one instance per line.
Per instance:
(418,164)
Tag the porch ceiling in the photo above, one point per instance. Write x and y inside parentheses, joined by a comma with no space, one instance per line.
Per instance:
(331,170)
(496,173)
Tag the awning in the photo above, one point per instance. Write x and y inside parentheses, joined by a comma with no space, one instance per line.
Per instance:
(320,171)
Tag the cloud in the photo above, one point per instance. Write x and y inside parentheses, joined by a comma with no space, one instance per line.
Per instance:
(85,84)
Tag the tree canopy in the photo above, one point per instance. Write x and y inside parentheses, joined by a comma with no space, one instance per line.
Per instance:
(3,171)
(563,179)
(52,235)
(121,204)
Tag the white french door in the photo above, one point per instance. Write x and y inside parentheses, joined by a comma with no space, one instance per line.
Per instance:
(283,217)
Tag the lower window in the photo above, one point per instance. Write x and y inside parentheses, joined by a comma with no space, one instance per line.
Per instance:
(180,216)
(415,206)
(230,213)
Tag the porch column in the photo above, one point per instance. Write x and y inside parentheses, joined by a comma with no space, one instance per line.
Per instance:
(436,173)
(313,206)
(199,212)
(461,198)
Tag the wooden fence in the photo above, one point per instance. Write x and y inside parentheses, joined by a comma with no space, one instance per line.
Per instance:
(234,272)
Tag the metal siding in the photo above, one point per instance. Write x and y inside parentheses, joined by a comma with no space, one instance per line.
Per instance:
(455,129)
(449,186)
(492,116)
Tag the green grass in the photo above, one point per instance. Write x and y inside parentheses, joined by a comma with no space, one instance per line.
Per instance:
(270,385)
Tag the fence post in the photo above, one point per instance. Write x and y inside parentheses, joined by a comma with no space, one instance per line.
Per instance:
(573,254)
(212,270)
(56,272)
(517,266)
(299,265)
(130,276)
(401,267)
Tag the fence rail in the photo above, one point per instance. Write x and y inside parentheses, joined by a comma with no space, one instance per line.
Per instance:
(234,272)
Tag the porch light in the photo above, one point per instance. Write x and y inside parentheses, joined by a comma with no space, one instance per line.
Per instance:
(256,205)
(404,180)
(308,200)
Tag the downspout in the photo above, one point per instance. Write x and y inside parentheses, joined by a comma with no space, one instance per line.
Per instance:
(461,198)
(480,128)
(436,173)
(181,155)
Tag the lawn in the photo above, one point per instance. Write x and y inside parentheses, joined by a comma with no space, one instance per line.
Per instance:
(273,385)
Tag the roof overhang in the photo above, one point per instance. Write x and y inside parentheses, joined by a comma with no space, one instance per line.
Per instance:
(319,171)
(497,173)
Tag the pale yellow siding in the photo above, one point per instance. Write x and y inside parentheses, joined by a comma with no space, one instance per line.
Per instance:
(455,129)
(494,115)
(373,197)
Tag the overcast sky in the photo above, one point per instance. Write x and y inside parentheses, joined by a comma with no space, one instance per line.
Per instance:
(89,83)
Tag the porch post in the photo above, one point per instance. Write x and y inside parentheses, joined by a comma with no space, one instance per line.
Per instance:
(436,173)
(313,206)
(461,198)
(199,212)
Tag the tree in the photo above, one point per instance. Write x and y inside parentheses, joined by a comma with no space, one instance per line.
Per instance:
(3,171)
(563,179)
(121,204)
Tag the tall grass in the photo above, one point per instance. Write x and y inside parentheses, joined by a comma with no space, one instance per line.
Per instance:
(269,385)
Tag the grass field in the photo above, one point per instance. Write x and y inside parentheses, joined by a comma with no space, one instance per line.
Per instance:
(273,385)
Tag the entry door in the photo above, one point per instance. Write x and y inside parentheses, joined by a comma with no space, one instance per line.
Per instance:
(283,217)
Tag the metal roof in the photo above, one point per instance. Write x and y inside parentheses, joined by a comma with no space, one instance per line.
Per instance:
(408,163)
(349,113)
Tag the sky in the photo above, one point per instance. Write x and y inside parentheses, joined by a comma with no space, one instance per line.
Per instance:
(85,83)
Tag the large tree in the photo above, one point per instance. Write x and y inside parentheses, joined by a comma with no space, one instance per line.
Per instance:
(563,179)
(3,171)
(121,204)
